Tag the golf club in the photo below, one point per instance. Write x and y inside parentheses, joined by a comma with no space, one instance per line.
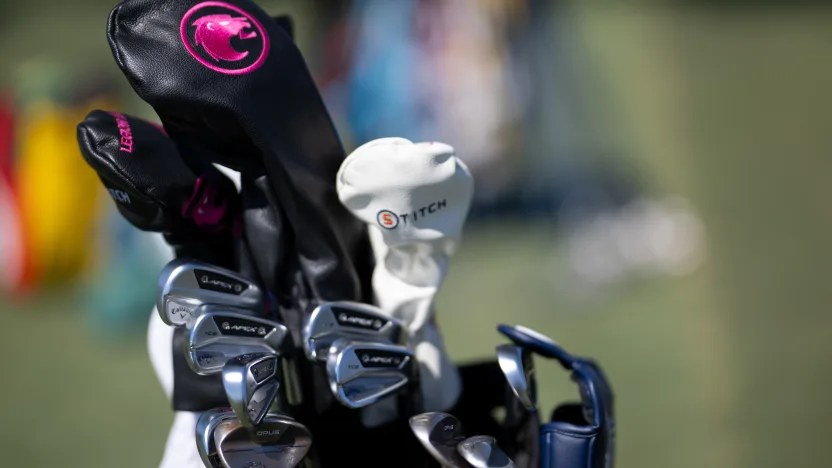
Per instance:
(518,368)
(538,343)
(221,333)
(279,441)
(483,452)
(251,384)
(185,284)
(333,320)
(205,426)
(440,433)
(362,373)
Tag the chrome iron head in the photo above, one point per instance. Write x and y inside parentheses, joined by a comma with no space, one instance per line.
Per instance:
(333,320)
(518,368)
(361,373)
(278,441)
(221,333)
(483,452)
(251,384)
(440,433)
(186,284)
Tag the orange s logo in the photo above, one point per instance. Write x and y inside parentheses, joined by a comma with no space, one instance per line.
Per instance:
(387,219)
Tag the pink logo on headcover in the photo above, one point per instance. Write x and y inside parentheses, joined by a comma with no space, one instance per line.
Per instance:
(126,134)
(224,38)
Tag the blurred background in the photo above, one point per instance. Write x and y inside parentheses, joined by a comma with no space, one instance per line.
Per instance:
(652,190)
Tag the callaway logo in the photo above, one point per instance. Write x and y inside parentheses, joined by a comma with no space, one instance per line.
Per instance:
(224,38)
(204,358)
(215,282)
(246,328)
(180,309)
(389,220)
(361,321)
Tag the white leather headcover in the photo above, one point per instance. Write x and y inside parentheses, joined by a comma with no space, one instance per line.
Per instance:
(414,199)
(412,191)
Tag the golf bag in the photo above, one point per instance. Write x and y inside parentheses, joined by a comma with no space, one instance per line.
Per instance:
(231,89)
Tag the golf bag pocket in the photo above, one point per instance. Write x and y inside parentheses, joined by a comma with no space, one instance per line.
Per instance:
(581,435)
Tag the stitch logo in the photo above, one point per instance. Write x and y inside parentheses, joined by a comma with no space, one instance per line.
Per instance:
(225,38)
(387,219)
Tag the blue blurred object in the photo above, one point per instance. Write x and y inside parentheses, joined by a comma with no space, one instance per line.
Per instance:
(383,97)
(120,296)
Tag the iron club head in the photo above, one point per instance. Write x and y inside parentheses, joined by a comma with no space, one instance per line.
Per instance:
(333,320)
(518,368)
(361,373)
(483,452)
(251,384)
(440,433)
(221,333)
(279,441)
(186,284)
(205,426)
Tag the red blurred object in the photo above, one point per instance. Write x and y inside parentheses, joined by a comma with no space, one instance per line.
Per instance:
(6,135)
(15,270)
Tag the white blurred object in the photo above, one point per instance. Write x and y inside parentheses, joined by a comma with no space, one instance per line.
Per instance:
(414,199)
(474,103)
(646,237)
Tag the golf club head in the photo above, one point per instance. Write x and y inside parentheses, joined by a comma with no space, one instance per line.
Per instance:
(185,284)
(361,373)
(537,342)
(251,383)
(222,333)
(518,367)
(333,320)
(279,441)
(440,433)
(205,427)
(483,452)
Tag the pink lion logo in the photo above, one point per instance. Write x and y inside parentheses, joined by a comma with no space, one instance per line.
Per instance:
(208,37)
(214,33)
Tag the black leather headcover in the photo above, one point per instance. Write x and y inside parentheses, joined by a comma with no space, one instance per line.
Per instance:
(156,190)
(582,435)
(240,92)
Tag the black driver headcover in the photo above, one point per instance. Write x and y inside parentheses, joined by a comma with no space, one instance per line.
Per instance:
(193,205)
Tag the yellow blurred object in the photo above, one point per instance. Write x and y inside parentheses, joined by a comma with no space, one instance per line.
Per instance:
(58,191)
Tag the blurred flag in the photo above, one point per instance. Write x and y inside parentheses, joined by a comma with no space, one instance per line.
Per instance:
(12,264)
(58,192)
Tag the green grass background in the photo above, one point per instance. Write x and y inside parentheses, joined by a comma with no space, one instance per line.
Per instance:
(726,368)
